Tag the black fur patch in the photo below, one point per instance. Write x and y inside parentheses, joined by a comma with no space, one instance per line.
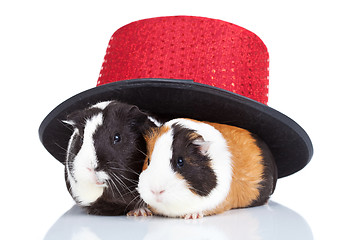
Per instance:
(195,167)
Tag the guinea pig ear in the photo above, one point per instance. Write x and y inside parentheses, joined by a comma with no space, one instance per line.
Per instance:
(202,144)
(73,118)
(137,117)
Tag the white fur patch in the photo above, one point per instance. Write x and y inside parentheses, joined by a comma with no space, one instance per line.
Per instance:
(156,122)
(70,122)
(101,105)
(85,185)
(177,199)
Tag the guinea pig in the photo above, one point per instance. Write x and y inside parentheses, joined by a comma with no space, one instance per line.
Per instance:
(105,155)
(194,169)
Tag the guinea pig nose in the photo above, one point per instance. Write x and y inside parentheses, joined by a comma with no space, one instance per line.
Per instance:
(99,182)
(155,192)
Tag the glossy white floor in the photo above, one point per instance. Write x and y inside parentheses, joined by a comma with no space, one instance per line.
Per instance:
(51,51)
(273,221)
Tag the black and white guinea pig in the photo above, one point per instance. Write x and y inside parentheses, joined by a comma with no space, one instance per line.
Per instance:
(105,156)
(197,168)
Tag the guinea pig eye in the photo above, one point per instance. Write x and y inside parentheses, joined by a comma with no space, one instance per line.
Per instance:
(180,162)
(148,161)
(117,138)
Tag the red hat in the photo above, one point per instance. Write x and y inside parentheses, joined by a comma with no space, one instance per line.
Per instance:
(193,67)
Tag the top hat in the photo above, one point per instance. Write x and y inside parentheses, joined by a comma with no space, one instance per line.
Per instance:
(194,67)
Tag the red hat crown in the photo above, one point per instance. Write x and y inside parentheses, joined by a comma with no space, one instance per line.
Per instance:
(204,50)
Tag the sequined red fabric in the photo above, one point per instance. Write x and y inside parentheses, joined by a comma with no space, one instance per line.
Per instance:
(205,50)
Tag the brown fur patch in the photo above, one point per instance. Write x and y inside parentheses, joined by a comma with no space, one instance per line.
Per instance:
(194,135)
(247,166)
(151,137)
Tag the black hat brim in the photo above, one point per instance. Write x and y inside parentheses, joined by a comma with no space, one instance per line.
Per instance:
(169,98)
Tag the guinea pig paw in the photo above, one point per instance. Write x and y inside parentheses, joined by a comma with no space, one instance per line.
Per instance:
(193,215)
(145,212)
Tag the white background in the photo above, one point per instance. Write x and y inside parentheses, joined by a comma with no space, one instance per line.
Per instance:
(52,50)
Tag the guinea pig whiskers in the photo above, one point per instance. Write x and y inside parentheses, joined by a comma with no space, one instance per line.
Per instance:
(140,202)
(132,202)
(120,181)
(130,180)
(132,192)
(65,124)
(122,169)
(113,183)
(62,148)
(125,169)
(72,155)
(111,189)
(141,152)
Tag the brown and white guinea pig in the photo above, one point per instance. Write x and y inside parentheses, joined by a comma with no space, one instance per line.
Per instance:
(197,168)
(105,156)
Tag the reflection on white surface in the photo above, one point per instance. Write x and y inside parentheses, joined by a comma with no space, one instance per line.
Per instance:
(272,221)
